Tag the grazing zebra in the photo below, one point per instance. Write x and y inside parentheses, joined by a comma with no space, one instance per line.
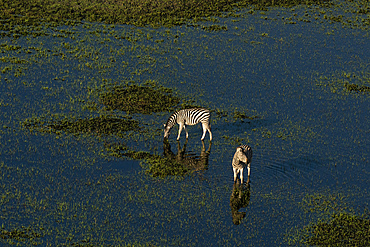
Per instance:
(242,158)
(189,117)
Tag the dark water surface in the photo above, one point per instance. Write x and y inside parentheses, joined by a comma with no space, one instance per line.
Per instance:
(310,136)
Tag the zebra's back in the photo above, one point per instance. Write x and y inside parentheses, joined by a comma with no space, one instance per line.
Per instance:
(193,116)
(242,157)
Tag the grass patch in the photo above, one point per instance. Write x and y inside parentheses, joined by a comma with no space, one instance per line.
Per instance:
(346,83)
(162,167)
(106,125)
(21,235)
(234,116)
(169,164)
(158,166)
(343,230)
(144,99)
(351,87)
(137,12)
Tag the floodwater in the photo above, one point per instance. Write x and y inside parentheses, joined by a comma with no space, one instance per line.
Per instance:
(285,69)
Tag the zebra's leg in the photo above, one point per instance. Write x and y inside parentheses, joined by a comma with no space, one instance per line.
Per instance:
(186,131)
(181,125)
(249,172)
(205,128)
(235,173)
(241,176)
(210,133)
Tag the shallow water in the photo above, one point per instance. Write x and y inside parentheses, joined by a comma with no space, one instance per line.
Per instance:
(310,137)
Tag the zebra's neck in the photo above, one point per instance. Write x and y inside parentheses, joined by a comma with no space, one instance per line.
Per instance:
(172,120)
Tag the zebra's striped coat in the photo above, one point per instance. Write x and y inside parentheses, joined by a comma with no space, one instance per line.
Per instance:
(189,117)
(242,158)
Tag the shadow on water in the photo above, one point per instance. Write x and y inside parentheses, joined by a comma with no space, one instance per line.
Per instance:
(168,164)
(188,159)
(240,197)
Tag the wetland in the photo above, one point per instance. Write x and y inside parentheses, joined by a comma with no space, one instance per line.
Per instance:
(86,88)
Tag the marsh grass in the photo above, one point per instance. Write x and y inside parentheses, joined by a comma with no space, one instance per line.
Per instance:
(22,234)
(132,98)
(102,125)
(158,166)
(351,87)
(346,83)
(235,116)
(137,12)
(343,229)
(155,165)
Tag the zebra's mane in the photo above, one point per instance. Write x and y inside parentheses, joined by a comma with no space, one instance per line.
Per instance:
(172,119)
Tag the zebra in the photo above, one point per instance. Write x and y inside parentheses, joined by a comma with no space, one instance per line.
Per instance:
(242,158)
(189,117)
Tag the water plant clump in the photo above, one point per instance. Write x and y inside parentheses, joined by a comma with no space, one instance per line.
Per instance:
(137,12)
(153,164)
(144,99)
(102,125)
(235,116)
(343,230)
(22,234)
(107,125)
(158,166)
(351,87)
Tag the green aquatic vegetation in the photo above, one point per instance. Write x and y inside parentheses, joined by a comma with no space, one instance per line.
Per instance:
(234,116)
(132,98)
(169,164)
(137,12)
(346,83)
(213,28)
(155,165)
(159,166)
(344,229)
(322,202)
(241,116)
(356,88)
(102,125)
(21,234)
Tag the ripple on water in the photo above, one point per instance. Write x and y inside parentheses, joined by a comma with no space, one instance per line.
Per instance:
(269,164)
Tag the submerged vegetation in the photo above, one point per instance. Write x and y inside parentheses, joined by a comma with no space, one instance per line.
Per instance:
(21,235)
(169,164)
(145,99)
(343,229)
(345,83)
(102,125)
(356,88)
(137,12)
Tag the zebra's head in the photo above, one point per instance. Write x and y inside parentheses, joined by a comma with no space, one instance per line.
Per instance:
(241,155)
(167,130)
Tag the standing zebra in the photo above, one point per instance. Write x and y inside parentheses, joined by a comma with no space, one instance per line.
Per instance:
(242,158)
(189,117)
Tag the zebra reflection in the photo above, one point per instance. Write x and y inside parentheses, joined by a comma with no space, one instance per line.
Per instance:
(240,197)
(195,163)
